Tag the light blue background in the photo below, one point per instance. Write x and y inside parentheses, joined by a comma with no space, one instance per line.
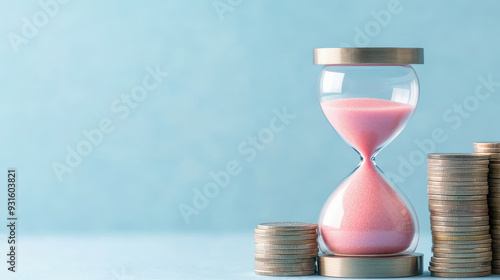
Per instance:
(227,75)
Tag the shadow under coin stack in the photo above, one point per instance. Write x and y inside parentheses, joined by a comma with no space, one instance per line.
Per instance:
(493,150)
(286,249)
(457,189)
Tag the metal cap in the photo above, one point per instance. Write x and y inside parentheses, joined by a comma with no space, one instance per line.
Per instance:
(369,56)
(371,267)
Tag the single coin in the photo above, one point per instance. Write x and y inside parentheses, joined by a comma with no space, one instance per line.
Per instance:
(459,219)
(462,256)
(494,203)
(460,260)
(460,265)
(284,266)
(285,237)
(458,156)
(481,145)
(460,275)
(461,251)
(458,174)
(282,261)
(457,197)
(461,246)
(258,255)
(494,222)
(457,169)
(460,270)
(495,236)
(286,251)
(470,203)
(287,226)
(494,200)
(284,232)
(460,224)
(457,185)
(285,273)
(460,229)
(494,211)
(459,204)
(487,150)
(286,242)
(494,194)
(455,173)
(460,237)
(461,165)
(446,191)
(471,207)
(457,179)
(494,215)
(495,232)
(457,164)
(459,213)
(459,233)
(481,160)
(288,247)
(299,265)
(480,242)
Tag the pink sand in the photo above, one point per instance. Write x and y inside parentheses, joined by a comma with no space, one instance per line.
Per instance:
(366,216)
(366,123)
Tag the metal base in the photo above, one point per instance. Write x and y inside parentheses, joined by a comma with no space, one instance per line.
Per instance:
(371,267)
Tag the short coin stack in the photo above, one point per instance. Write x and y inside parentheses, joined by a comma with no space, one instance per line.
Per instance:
(457,189)
(286,249)
(493,150)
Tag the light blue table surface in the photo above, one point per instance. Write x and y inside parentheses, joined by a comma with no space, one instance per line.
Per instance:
(130,257)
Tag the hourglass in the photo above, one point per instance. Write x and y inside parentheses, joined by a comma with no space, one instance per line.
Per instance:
(368,95)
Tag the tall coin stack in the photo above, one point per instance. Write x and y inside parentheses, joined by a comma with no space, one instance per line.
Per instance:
(457,190)
(493,149)
(286,249)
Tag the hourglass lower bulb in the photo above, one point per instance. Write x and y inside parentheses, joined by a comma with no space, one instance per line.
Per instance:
(368,105)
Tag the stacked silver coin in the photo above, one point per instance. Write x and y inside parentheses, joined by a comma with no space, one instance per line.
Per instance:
(493,150)
(457,190)
(286,249)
